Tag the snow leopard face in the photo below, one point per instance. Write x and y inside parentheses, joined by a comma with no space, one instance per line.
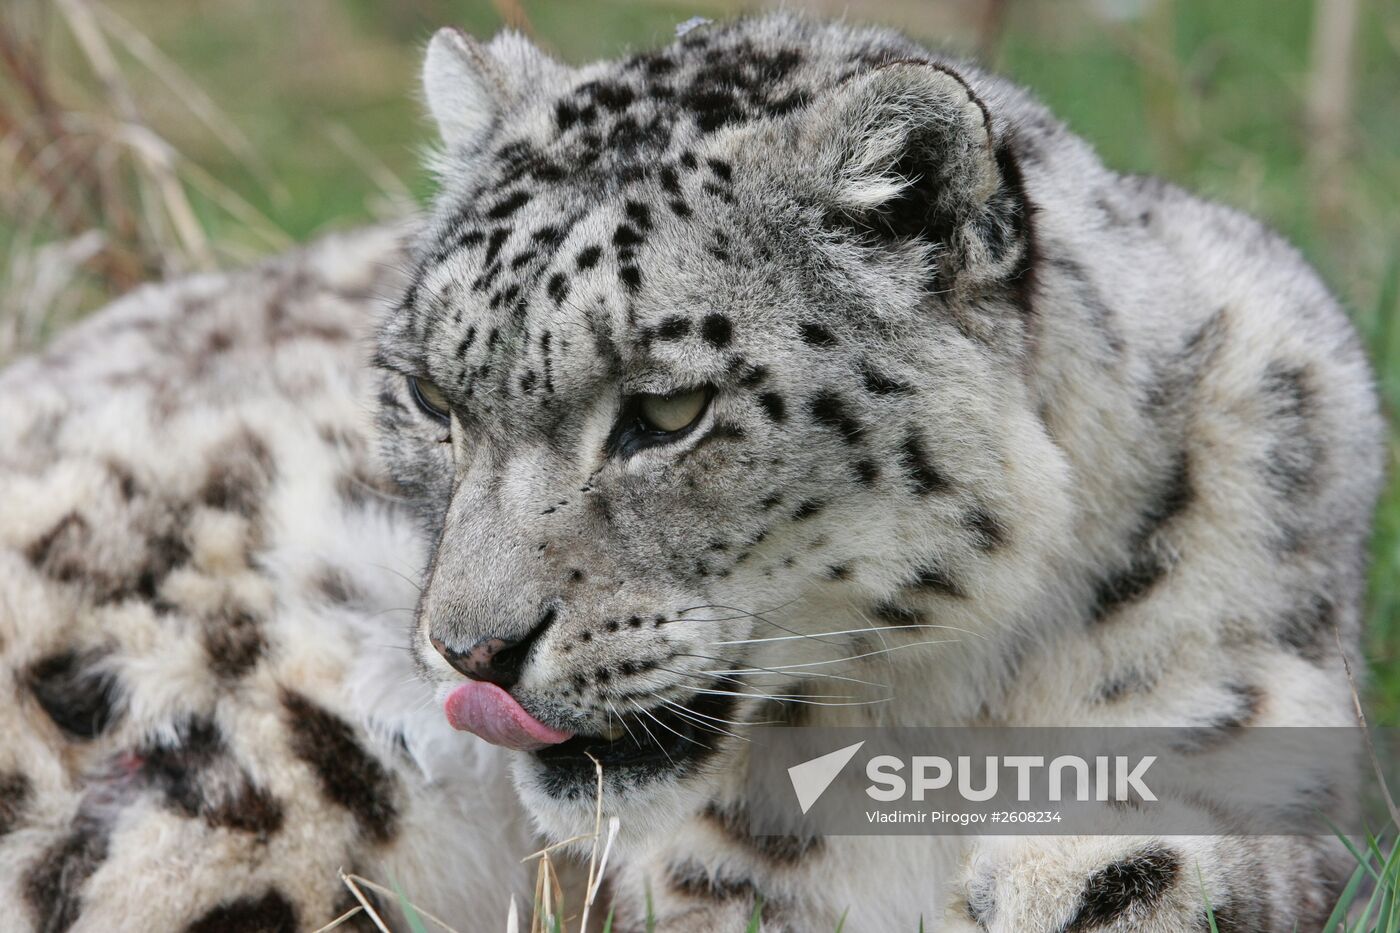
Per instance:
(686,372)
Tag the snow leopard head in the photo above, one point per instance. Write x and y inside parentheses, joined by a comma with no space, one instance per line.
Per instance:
(707,350)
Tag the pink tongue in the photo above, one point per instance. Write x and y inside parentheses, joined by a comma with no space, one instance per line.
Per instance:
(488,711)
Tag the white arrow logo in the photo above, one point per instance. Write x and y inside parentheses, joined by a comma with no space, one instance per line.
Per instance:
(811,778)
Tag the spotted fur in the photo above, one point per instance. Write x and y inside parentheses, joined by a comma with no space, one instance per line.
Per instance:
(200,562)
(961,375)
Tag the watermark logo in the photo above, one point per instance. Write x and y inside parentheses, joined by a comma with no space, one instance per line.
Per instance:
(1117,778)
(1095,781)
(811,778)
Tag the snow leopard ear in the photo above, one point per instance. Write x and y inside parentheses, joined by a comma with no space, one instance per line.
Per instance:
(906,152)
(468,84)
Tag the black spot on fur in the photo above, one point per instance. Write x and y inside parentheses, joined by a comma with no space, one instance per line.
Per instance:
(15,793)
(626,236)
(733,822)
(880,384)
(197,776)
(1244,706)
(588,257)
(1308,628)
(670,181)
(639,215)
(1149,563)
(53,885)
(508,205)
(692,879)
(716,329)
(754,377)
(1128,683)
(721,169)
(773,406)
(271,913)
(242,468)
(923,476)
(867,472)
(987,531)
(818,335)
(348,774)
(831,411)
(558,288)
(565,115)
(466,343)
(936,579)
(672,328)
(807,509)
(1128,888)
(233,641)
(631,277)
(895,614)
(75,693)
(839,571)
(493,246)
(1293,459)
(56,552)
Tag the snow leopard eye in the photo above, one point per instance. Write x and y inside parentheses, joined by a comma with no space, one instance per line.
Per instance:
(649,420)
(429,398)
(668,414)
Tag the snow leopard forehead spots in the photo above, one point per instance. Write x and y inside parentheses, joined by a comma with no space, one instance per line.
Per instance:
(580,211)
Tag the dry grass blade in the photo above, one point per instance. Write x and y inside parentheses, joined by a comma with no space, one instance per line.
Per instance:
(549,891)
(237,208)
(346,917)
(44,287)
(399,199)
(1329,103)
(1365,730)
(351,882)
(160,159)
(94,200)
(90,39)
(190,94)
(155,155)
(549,898)
(389,892)
(512,13)
(590,888)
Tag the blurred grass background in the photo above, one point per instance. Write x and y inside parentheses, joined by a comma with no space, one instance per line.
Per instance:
(141,138)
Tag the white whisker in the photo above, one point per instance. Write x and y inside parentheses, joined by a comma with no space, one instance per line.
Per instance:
(851,631)
(854,657)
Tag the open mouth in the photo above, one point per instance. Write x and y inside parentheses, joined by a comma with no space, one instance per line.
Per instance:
(664,742)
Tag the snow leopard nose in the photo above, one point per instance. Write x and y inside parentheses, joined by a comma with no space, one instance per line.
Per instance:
(494,660)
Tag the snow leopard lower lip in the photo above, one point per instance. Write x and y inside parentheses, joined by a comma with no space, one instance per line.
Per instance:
(664,742)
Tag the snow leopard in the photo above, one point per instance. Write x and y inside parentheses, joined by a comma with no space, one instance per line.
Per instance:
(209,709)
(796,329)
(711,368)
